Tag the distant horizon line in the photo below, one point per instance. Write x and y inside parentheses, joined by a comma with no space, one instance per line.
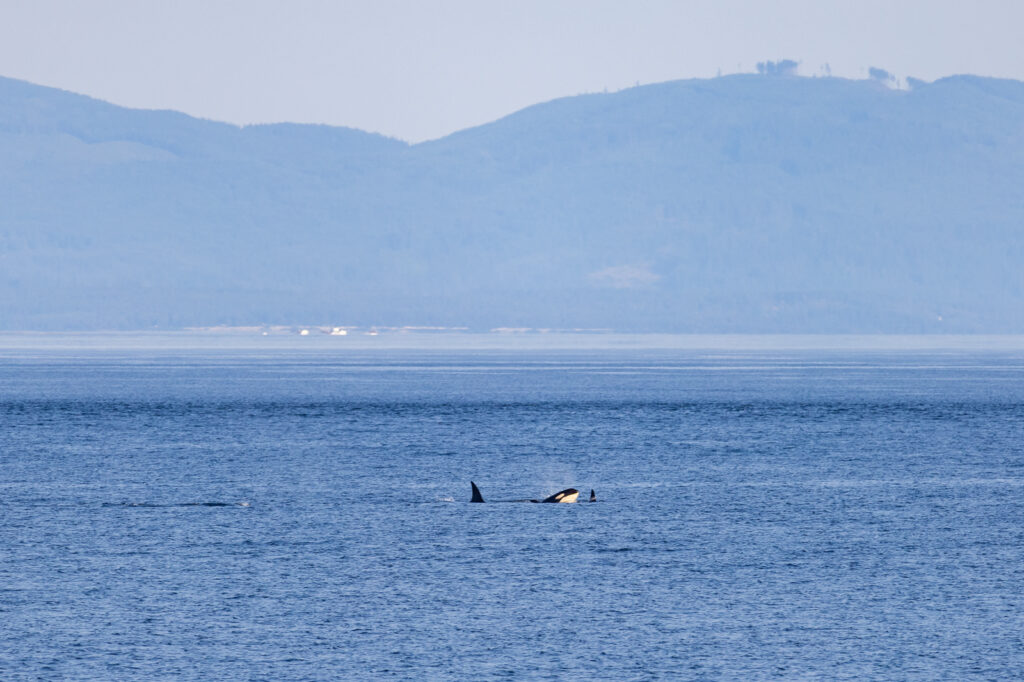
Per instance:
(18,343)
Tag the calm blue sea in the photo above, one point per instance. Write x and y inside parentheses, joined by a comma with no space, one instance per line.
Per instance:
(843,515)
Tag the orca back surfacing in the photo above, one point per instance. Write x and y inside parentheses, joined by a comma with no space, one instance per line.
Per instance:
(568,495)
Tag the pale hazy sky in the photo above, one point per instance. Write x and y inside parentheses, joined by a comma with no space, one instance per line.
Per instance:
(419,69)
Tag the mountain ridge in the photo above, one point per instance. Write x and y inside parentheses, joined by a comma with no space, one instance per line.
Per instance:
(746,203)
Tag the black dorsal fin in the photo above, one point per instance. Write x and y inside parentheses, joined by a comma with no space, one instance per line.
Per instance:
(477,497)
(593,497)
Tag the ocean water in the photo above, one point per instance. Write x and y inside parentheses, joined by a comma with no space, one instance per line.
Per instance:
(289,515)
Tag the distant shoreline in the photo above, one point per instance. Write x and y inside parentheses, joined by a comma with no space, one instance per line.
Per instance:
(497,341)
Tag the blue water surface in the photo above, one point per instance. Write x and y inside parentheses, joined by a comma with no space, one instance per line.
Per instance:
(288,515)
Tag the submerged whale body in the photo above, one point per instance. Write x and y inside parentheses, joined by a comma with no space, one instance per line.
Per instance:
(177,504)
(565,496)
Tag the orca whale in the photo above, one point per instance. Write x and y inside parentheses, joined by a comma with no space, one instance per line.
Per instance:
(565,496)
(593,497)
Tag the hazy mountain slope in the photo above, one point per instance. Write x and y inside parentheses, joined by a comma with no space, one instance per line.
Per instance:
(744,203)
